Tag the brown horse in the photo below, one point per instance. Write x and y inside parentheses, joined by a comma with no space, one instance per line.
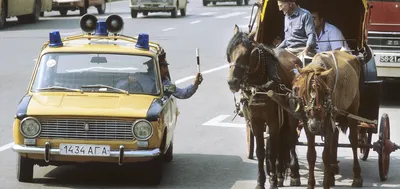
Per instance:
(330,81)
(248,72)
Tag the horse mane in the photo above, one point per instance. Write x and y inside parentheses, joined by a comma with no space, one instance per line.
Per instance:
(238,39)
(306,75)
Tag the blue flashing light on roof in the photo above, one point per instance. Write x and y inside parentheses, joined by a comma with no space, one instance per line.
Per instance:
(55,39)
(143,41)
(101,28)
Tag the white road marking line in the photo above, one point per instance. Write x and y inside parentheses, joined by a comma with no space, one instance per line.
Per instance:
(207,13)
(217,121)
(167,29)
(205,72)
(230,15)
(194,22)
(7,146)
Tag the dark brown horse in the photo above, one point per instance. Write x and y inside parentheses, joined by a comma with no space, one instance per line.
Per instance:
(248,72)
(330,81)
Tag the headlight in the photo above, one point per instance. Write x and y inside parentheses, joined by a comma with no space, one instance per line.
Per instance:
(142,129)
(30,127)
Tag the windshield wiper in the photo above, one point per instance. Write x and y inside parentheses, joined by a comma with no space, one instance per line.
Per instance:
(105,86)
(59,88)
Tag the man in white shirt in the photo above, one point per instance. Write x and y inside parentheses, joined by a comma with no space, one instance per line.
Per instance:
(327,32)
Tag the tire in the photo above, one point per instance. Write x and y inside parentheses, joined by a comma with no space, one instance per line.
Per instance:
(170,153)
(101,9)
(183,12)
(174,13)
(24,169)
(3,14)
(63,12)
(83,10)
(34,17)
(134,13)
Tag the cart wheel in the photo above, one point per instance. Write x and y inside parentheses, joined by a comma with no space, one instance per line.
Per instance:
(250,142)
(364,137)
(383,152)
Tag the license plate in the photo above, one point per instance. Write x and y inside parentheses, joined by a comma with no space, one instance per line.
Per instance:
(84,150)
(390,59)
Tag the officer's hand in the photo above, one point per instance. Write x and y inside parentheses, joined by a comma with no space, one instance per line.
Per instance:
(199,79)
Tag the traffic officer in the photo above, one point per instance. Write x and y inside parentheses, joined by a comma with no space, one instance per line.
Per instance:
(181,93)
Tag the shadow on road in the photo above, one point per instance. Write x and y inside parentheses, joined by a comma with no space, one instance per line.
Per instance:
(369,172)
(185,171)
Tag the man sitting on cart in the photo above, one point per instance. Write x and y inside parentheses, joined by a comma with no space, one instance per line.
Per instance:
(300,36)
(329,36)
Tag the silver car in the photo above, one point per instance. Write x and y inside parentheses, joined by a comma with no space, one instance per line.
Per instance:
(146,6)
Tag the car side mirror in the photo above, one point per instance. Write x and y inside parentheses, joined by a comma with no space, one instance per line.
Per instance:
(169,89)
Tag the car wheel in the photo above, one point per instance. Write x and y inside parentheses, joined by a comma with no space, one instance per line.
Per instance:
(25,169)
(134,13)
(170,153)
(101,9)
(83,10)
(174,13)
(63,12)
(183,12)
(3,14)
(34,17)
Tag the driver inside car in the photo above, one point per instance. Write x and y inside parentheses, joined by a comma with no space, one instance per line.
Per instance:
(146,80)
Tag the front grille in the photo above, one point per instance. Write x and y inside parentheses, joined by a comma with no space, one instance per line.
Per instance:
(96,129)
(384,40)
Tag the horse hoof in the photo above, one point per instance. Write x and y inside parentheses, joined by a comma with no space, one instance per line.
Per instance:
(280,182)
(295,182)
(357,183)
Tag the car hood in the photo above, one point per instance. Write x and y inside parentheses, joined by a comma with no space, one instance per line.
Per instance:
(90,105)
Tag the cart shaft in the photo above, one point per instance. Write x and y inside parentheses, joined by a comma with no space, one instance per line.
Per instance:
(339,145)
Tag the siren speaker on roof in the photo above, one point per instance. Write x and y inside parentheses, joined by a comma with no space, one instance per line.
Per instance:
(88,23)
(114,23)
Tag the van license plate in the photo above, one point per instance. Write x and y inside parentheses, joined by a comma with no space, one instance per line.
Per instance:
(84,150)
(390,59)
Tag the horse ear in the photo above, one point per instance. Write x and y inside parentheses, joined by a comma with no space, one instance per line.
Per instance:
(236,29)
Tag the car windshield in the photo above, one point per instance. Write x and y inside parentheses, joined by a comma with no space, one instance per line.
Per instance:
(116,73)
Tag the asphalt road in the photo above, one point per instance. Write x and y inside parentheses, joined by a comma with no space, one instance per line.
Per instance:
(209,149)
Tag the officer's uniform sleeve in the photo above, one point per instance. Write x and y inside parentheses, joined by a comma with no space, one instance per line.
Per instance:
(183,93)
(310,31)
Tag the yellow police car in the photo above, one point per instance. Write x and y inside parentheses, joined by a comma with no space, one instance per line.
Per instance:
(96,98)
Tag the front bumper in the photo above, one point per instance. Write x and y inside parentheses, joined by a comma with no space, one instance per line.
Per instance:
(120,154)
(152,7)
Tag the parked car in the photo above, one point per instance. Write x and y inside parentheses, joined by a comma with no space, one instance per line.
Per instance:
(98,98)
(27,11)
(82,5)
(147,6)
(214,2)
